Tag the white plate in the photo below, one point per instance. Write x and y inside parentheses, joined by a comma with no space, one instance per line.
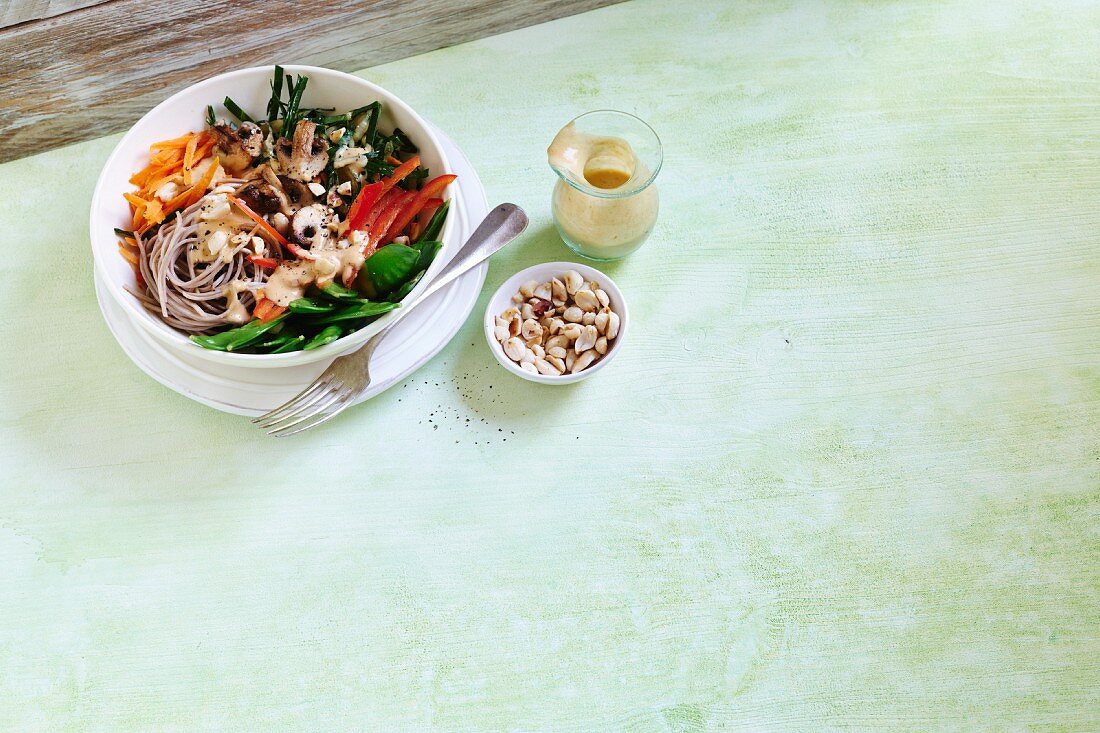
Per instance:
(244,391)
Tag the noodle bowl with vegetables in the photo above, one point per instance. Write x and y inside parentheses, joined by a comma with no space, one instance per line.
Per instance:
(281,232)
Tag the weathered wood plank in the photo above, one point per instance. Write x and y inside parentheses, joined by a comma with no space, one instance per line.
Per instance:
(21,11)
(88,73)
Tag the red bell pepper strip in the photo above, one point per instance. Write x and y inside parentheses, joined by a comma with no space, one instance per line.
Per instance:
(414,205)
(363,203)
(381,200)
(403,170)
(267,263)
(425,216)
(266,310)
(385,204)
(381,205)
(387,218)
(376,200)
(270,230)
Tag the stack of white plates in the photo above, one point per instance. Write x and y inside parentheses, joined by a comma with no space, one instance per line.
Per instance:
(247,391)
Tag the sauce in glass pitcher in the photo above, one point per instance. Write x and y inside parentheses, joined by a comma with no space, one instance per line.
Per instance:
(605,202)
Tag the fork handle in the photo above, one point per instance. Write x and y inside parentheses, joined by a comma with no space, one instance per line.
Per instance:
(498,228)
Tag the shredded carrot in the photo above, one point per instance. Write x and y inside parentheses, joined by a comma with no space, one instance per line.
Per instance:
(157,212)
(128,253)
(177,142)
(174,155)
(189,158)
(150,190)
(199,189)
(154,211)
(171,161)
(267,228)
(203,149)
(139,178)
(152,172)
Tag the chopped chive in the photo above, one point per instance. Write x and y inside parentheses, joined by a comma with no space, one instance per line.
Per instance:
(276,102)
(292,115)
(236,111)
(372,126)
(343,119)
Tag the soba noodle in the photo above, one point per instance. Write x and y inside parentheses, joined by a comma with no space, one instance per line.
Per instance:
(193,296)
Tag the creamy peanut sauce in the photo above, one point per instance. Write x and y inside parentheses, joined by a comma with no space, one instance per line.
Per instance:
(609,225)
(221,228)
(235,311)
(290,280)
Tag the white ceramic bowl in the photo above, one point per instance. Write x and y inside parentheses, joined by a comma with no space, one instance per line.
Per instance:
(183,112)
(502,301)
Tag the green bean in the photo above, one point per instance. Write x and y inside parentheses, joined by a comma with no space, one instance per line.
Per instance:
(251,332)
(207,342)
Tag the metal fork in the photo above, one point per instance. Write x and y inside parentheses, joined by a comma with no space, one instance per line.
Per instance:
(349,375)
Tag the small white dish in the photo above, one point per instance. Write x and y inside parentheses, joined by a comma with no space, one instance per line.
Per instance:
(502,301)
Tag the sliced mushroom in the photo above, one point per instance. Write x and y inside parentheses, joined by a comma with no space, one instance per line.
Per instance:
(298,192)
(237,148)
(305,156)
(311,226)
(262,197)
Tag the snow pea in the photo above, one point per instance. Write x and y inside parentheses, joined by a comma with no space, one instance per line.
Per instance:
(355,312)
(435,224)
(309,305)
(237,338)
(325,336)
(295,344)
(338,292)
(388,268)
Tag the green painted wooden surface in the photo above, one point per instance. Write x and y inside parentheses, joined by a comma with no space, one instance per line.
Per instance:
(844,475)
